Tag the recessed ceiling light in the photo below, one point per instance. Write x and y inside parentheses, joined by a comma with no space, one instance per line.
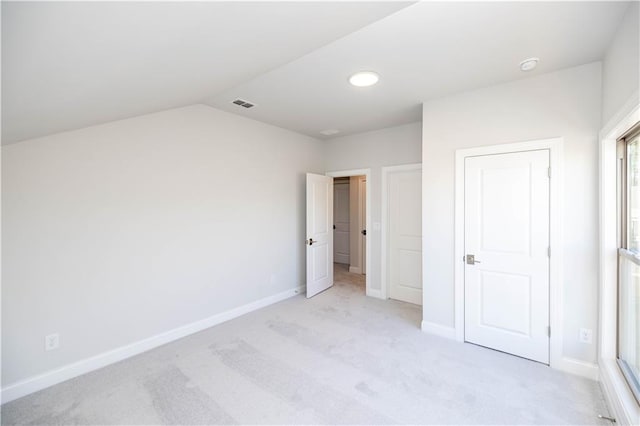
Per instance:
(330,132)
(364,79)
(529,64)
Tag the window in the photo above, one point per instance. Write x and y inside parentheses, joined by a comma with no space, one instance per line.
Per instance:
(629,259)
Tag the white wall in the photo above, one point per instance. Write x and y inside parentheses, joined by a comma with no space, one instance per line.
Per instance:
(117,232)
(562,104)
(621,65)
(387,147)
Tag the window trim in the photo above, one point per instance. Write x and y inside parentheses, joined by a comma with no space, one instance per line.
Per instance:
(617,393)
(622,144)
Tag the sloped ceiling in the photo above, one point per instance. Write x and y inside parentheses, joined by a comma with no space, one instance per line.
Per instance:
(424,51)
(67,65)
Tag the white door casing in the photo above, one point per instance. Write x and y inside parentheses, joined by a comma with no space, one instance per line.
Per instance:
(341,235)
(362,207)
(506,216)
(404,201)
(319,243)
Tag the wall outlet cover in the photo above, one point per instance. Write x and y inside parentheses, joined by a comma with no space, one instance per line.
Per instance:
(51,342)
(586,335)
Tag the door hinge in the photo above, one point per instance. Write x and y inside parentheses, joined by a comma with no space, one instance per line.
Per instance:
(549,331)
(549,251)
(549,172)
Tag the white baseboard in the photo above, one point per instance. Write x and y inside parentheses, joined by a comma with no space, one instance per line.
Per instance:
(374,293)
(439,330)
(341,258)
(577,367)
(566,364)
(355,270)
(50,378)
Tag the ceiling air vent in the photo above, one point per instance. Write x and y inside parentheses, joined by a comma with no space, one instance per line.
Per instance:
(243,104)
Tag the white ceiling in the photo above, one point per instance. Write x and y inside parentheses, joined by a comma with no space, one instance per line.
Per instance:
(67,65)
(424,51)
(71,65)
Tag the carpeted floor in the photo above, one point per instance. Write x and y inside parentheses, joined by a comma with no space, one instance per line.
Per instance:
(338,358)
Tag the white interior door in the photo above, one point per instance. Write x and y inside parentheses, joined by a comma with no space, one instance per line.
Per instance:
(341,222)
(319,241)
(405,235)
(507,232)
(362,205)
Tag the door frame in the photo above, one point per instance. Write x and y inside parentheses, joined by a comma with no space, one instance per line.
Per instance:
(367,173)
(384,249)
(362,222)
(555,147)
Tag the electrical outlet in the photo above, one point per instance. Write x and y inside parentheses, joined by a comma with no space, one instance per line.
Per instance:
(51,342)
(586,335)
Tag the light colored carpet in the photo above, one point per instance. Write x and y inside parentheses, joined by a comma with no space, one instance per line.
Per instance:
(338,358)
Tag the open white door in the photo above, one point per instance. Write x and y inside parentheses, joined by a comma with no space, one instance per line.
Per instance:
(319,233)
(507,253)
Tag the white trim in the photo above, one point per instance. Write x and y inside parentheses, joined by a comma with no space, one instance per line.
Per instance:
(50,378)
(438,330)
(384,260)
(617,393)
(577,367)
(375,293)
(367,173)
(555,147)
(622,119)
(623,406)
(355,270)
(362,222)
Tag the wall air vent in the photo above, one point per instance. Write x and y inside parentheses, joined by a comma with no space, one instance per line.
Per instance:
(243,104)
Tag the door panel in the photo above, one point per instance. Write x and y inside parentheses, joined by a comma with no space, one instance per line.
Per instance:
(319,241)
(507,231)
(515,316)
(341,221)
(409,268)
(405,235)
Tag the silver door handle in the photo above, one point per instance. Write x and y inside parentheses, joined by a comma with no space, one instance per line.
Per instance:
(471,259)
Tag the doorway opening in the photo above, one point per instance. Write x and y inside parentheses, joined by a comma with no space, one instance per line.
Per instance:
(350,231)
(351,221)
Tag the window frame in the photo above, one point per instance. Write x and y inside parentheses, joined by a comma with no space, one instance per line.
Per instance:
(622,145)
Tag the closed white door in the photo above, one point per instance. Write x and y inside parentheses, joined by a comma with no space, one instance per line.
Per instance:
(341,223)
(405,235)
(507,233)
(319,233)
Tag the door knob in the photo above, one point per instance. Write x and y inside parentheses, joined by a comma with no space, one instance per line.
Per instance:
(471,259)
(364,232)
(310,241)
